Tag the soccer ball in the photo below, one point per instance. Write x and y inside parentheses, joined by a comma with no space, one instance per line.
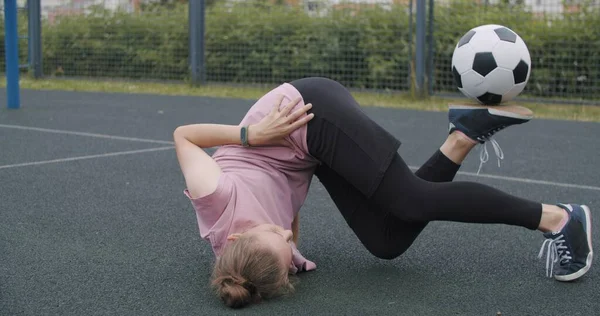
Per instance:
(491,64)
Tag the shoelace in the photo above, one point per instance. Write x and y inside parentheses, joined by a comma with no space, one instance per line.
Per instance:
(484,156)
(556,252)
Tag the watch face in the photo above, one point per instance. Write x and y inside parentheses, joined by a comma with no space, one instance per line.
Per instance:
(244,136)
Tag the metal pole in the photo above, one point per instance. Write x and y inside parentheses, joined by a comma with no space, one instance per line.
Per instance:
(410,40)
(196,34)
(11,42)
(431,48)
(420,48)
(35,37)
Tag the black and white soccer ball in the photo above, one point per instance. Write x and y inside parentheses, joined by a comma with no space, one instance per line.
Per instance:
(491,64)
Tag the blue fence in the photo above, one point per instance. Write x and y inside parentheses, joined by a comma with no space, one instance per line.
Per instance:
(11,40)
(393,45)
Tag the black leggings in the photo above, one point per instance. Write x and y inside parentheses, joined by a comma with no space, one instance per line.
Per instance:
(384,203)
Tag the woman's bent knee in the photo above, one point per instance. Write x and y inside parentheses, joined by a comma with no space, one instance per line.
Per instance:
(383,248)
(385,254)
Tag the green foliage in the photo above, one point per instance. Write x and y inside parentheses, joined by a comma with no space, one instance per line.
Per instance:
(282,43)
(22,31)
(154,5)
(565,52)
(370,48)
(118,44)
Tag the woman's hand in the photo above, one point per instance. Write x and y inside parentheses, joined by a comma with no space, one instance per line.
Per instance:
(277,125)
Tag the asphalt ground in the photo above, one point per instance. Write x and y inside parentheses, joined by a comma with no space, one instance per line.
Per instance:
(94,221)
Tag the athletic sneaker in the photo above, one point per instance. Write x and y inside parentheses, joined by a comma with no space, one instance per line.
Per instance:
(481,123)
(571,247)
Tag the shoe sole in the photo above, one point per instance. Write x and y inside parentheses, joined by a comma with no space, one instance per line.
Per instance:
(588,261)
(512,111)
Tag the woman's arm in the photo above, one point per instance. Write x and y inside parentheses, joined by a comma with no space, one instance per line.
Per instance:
(295,228)
(201,172)
(208,135)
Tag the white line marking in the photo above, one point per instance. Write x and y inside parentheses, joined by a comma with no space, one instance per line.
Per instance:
(524,180)
(472,174)
(119,153)
(56,131)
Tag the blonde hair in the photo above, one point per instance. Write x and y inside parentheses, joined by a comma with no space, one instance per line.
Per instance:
(247,272)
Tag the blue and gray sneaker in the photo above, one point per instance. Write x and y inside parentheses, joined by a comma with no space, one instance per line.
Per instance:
(571,247)
(481,123)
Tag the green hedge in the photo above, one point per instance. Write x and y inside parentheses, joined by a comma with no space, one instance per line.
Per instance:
(270,44)
(565,53)
(22,31)
(106,44)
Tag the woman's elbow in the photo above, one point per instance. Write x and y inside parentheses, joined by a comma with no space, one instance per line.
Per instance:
(179,133)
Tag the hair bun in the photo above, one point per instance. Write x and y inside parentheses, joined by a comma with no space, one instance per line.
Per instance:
(230,280)
(236,291)
(250,287)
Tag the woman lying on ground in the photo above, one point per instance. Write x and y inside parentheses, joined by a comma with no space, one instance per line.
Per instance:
(248,194)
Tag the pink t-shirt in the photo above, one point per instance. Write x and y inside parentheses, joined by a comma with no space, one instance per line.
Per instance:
(258,185)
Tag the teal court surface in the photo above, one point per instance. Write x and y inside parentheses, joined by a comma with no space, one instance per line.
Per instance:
(94,220)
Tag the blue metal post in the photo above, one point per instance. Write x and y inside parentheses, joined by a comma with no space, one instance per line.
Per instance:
(35,37)
(410,40)
(431,48)
(420,48)
(196,33)
(11,42)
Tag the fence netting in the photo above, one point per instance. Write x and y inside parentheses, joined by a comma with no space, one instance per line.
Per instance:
(365,44)
(562,37)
